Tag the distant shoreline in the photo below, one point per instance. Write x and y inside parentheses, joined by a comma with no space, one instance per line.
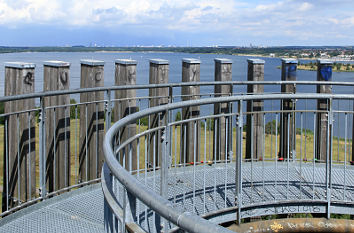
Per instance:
(271,52)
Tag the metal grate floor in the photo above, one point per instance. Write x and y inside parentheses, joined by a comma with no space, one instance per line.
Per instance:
(82,210)
(77,211)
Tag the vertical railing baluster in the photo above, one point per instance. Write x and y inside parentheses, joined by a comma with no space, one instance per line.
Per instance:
(314,155)
(42,150)
(329,157)
(76,167)
(29,156)
(263,158)
(275,155)
(239,124)
(301,139)
(7,161)
(345,156)
(287,158)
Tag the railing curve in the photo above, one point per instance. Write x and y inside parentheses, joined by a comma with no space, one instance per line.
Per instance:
(123,215)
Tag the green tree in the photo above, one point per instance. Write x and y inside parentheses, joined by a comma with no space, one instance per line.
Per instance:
(270,127)
(178,116)
(73,111)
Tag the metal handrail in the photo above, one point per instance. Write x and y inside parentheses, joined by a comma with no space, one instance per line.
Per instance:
(171,85)
(162,206)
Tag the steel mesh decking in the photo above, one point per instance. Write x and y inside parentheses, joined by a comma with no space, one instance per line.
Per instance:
(82,210)
(77,211)
(259,186)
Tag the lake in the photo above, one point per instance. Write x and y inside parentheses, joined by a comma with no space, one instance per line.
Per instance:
(239,67)
(239,71)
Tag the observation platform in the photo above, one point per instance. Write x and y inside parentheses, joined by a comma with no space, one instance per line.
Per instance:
(272,192)
(80,210)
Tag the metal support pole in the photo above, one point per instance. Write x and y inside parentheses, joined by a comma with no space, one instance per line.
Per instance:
(329,158)
(239,125)
(42,151)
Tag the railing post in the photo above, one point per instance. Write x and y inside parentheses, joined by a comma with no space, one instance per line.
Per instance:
(42,151)
(239,125)
(91,121)
(329,158)
(19,175)
(324,73)
(109,109)
(165,163)
(56,77)
(223,72)
(288,73)
(125,74)
(158,74)
(254,135)
(190,73)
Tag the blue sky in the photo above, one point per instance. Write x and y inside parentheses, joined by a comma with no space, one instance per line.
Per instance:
(176,22)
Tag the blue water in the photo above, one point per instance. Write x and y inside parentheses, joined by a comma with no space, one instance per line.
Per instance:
(239,68)
(239,73)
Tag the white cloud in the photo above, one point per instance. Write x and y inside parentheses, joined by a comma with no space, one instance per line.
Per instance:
(292,18)
(305,6)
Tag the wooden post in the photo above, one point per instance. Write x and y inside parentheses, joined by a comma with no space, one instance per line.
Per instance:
(324,73)
(287,119)
(91,121)
(158,75)
(125,74)
(255,125)
(57,125)
(19,149)
(190,131)
(223,72)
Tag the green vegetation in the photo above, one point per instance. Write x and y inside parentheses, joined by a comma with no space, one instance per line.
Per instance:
(285,51)
(337,67)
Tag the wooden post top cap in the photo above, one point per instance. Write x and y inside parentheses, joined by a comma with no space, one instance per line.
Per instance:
(126,62)
(256,61)
(191,60)
(289,61)
(159,61)
(223,60)
(20,65)
(56,63)
(91,62)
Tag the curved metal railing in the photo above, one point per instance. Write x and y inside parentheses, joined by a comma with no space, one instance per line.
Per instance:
(39,118)
(177,189)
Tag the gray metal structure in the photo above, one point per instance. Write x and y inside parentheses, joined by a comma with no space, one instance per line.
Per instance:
(195,195)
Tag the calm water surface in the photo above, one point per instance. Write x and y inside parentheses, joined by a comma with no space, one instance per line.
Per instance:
(239,71)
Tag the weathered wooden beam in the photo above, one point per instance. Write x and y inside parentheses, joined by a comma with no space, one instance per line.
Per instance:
(57,125)
(255,125)
(191,130)
(19,180)
(287,119)
(223,130)
(324,73)
(159,69)
(91,121)
(125,74)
